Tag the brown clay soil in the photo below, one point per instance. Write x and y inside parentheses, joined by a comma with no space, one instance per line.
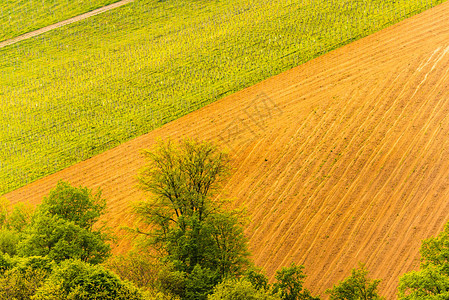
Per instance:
(341,160)
(63,23)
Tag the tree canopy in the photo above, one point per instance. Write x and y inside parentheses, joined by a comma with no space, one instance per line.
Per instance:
(76,204)
(289,283)
(54,252)
(432,281)
(62,226)
(240,289)
(190,224)
(357,286)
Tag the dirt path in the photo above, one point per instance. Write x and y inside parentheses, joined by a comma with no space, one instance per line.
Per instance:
(63,23)
(338,161)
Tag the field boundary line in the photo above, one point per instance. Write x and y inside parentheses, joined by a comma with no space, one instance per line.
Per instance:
(63,23)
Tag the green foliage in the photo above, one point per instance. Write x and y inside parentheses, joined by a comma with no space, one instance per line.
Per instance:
(19,17)
(240,289)
(61,239)
(5,263)
(435,251)
(190,227)
(40,277)
(22,264)
(432,281)
(123,73)
(62,227)
(140,269)
(182,179)
(200,282)
(21,277)
(15,284)
(50,291)
(74,279)
(289,283)
(172,282)
(57,250)
(76,204)
(12,224)
(9,239)
(19,218)
(355,287)
(229,251)
(257,279)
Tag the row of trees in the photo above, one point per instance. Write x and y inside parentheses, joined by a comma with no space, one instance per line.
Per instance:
(192,247)
(55,251)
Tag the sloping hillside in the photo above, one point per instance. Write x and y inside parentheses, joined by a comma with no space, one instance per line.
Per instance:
(340,160)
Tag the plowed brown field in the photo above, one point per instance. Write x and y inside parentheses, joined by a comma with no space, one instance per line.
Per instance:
(340,160)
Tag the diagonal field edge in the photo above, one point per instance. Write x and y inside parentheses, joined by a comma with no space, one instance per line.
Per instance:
(350,166)
(63,23)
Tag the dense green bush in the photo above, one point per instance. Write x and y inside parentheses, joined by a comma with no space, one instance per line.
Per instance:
(40,277)
(74,279)
(21,277)
(21,284)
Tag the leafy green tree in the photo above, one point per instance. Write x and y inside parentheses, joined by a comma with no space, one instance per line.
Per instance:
(61,239)
(189,224)
(229,254)
(289,283)
(77,204)
(12,225)
(62,227)
(56,251)
(257,278)
(172,282)
(22,264)
(432,281)
(356,286)
(435,251)
(240,289)
(17,218)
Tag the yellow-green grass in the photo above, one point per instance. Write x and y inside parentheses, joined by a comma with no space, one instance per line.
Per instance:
(76,91)
(21,16)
